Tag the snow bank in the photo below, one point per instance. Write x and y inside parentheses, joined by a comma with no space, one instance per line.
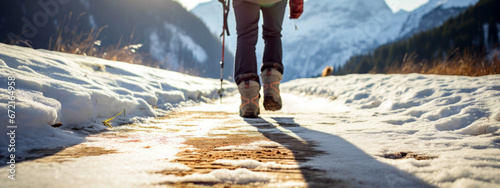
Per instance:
(81,92)
(465,105)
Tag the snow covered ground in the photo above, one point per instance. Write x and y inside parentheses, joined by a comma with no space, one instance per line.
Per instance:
(453,119)
(81,92)
(445,128)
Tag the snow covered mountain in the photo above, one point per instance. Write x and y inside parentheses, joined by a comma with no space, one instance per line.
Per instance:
(433,14)
(171,35)
(330,32)
(209,13)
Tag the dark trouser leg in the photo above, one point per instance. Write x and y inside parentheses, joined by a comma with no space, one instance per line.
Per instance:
(273,50)
(247,19)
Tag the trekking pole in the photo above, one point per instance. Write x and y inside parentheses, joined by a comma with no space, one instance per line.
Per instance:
(222,70)
(225,30)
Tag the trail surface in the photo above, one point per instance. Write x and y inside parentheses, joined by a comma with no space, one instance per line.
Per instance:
(210,145)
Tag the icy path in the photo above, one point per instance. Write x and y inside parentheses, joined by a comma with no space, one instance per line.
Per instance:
(210,144)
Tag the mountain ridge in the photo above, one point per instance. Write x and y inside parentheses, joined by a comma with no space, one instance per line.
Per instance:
(470,39)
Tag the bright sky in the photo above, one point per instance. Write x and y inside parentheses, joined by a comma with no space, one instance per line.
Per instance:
(395,5)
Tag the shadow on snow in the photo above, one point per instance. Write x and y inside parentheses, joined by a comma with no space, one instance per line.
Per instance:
(347,165)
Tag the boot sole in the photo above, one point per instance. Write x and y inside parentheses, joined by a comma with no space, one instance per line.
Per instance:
(271,105)
(249,114)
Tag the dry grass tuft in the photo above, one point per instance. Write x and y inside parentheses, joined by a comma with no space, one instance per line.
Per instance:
(70,40)
(466,63)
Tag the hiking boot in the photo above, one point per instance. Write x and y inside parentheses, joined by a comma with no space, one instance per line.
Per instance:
(271,80)
(249,91)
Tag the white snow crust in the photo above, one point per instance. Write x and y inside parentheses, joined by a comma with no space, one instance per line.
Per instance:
(81,92)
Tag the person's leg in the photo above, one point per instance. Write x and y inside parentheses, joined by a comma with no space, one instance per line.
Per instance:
(273,50)
(247,79)
(272,66)
(247,18)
